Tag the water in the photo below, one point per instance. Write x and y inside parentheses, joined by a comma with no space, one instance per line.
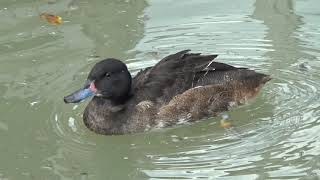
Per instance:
(274,136)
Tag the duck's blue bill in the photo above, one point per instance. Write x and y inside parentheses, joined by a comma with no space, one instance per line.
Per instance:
(81,94)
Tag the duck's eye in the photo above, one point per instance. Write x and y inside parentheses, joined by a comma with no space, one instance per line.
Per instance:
(108,74)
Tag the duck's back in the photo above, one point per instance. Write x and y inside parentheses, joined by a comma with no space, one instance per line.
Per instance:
(173,75)
(179,72)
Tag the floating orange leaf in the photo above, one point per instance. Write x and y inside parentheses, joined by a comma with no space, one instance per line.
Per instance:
(52,19)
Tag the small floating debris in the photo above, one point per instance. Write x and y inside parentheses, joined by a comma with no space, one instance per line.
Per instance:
(20,34)
(75,107)
(22,83)
(72,124)
(225,122)
(92,57)
(33,103)
(56,117)
(47,167)
(175,138)
(50,18)
(304,66)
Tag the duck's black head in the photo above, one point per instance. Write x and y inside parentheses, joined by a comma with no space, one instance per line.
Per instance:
(108,79)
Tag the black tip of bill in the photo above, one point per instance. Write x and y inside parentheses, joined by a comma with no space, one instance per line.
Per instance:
(78,96)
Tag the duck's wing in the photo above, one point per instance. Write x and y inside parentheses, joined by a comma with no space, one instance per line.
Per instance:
(174,74)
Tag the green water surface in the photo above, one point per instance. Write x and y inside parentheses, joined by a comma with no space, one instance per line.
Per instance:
(276,136)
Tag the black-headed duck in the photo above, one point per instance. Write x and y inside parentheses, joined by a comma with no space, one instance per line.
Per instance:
(182,87)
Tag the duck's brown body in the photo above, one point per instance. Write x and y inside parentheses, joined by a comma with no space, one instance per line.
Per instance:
(181,88)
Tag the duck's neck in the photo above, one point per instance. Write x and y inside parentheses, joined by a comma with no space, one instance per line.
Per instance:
(103,116)
(118,101)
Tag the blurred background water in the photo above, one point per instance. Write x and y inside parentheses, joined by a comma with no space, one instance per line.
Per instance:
(277,133)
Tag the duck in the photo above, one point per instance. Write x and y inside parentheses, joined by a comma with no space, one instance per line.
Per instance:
(180,89)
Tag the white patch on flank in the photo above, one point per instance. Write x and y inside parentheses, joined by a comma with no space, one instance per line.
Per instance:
(189,115)
(182,121)
(160,124)
(197,87)
(232,104)
(71,124)
(56,117)
(144,105)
